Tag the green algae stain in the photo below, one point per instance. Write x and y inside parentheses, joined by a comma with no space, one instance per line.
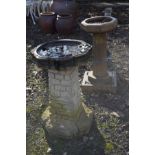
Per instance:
(109,147)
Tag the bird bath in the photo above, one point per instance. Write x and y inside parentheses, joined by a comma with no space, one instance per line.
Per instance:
(66,116)
(100,77)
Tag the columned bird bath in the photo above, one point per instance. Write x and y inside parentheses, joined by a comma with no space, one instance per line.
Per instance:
(66,115)
(100,77)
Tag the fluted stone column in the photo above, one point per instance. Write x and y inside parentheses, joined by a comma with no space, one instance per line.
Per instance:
(66,115)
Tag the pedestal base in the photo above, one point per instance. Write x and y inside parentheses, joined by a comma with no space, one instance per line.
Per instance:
(106,83)
(69,125)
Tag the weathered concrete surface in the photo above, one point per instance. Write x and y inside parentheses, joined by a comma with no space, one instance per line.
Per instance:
(104,83)
(100,78)
(66,116)
(67,125)
(100,54)
(103,79)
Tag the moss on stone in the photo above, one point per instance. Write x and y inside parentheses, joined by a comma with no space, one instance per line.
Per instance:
(109,147)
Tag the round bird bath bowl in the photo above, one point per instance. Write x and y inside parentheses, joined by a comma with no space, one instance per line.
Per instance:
(66,116)
(100,78)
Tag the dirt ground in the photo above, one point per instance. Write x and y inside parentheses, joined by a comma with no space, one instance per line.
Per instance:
(110,131)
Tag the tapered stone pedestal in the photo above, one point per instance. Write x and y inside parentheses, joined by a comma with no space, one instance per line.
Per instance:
(100,77)
(66,115)
(99,55)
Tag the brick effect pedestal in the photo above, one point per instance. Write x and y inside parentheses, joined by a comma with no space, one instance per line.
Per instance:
(66,115)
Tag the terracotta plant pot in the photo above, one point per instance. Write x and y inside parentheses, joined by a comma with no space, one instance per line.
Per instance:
(61,7)
(65,24)
(47,22)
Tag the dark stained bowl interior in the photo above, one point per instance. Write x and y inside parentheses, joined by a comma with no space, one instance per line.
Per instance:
(61,50)
(99,20)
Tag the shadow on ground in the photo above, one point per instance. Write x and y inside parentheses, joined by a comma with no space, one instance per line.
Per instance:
(117,102)
(79,146)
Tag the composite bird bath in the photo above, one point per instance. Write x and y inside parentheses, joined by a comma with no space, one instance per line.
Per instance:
(100,77)
(66,115)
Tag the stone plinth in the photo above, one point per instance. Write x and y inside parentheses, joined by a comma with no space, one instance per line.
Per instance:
(66,115)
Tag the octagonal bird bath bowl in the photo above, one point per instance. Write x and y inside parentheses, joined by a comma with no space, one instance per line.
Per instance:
(100,77)
(66,116)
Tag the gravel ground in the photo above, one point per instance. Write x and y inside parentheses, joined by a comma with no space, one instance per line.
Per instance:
(109,133)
